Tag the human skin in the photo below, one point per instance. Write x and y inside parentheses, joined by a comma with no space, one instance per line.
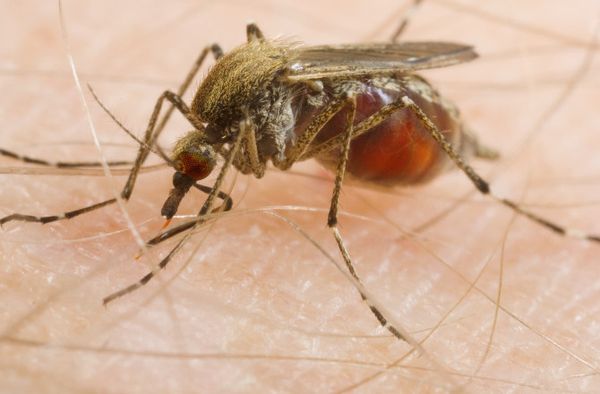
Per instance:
(256,306)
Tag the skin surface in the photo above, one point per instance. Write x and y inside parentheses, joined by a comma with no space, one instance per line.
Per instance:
(250,305)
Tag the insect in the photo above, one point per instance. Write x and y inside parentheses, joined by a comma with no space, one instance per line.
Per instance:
(359,109)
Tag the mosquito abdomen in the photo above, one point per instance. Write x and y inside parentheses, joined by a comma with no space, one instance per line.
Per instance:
(399,150)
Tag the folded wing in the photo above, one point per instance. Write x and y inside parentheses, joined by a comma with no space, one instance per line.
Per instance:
(359,60)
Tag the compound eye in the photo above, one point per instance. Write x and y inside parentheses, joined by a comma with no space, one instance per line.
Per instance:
(197,162)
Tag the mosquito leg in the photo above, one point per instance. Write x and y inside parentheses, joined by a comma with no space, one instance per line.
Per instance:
(151,135)
(258,166)
(227,201)
(232,153)
(59,164)
(483,185)
(146,278)
(250,161)
(302,146)
(53,218)
(333,212)
(217,53)
(245,127)
(405,20)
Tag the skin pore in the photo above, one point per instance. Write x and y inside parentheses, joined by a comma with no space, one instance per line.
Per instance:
(249,304)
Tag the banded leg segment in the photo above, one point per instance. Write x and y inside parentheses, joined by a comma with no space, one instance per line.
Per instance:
(53,218)
(333,212)
(59,164)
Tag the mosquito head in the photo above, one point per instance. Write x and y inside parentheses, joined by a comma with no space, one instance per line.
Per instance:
(194,158)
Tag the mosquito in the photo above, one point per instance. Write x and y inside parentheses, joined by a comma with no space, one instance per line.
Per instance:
(359,109)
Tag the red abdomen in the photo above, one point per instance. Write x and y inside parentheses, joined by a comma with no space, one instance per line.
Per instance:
(399,150)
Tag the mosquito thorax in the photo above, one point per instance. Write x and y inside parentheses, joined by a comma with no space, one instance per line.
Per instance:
(237,79)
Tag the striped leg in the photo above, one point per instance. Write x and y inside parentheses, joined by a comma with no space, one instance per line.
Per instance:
(59,164)
(332,217)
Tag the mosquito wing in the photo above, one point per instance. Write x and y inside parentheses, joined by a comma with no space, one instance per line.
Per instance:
(358,60)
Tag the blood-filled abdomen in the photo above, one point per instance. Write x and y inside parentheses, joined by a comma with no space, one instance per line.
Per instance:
(399,150)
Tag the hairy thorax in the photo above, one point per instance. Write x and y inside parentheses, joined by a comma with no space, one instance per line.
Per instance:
(239,82)
(246,85)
